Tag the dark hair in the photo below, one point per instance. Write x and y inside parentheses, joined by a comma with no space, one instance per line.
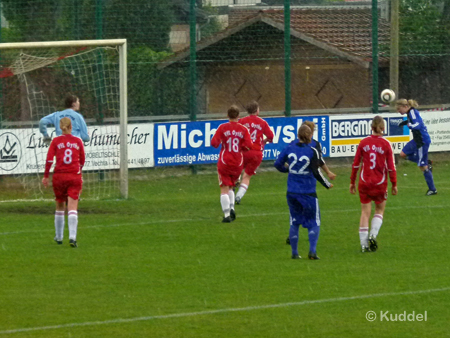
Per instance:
(304,134)
(70,100)
(233,112)
(252,107)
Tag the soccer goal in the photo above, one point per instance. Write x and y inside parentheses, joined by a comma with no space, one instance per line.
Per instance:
(35,78)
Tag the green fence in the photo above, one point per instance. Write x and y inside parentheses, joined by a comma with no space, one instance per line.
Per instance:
(188,59)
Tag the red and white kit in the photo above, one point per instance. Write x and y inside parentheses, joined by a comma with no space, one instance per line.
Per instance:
(377,157)
(70,158)
(258,128)
(233,137)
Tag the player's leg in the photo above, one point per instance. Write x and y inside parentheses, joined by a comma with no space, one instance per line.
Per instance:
(377,221)
(295,219)
(73,192)
(60,200)
(409,151)
(312,223)
(252,160)
(225,203)
(427,173)
(366,210)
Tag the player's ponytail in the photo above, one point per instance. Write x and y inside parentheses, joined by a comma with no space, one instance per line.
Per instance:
(413,103)
(378,125)
(66,125)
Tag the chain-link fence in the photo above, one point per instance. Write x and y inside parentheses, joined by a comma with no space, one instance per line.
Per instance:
(189,59)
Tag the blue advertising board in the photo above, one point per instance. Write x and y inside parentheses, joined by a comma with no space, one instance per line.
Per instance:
(185,143)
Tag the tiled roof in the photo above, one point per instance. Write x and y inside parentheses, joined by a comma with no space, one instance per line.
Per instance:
(348,29)
(346,32)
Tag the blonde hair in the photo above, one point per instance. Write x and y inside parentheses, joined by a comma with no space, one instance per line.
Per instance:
(310,124)
(304,134)
(66,125)
(407,103)
(378,124)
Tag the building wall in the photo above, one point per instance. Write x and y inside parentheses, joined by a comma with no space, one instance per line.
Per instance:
(319,87)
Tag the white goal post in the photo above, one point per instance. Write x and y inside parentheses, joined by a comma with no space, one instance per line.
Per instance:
(77,74)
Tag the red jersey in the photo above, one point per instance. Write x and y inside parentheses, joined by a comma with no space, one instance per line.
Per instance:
(69,153)
(257,128)
(234,137)
(377,158)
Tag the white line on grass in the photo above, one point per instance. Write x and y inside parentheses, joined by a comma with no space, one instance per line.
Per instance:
(210,312)
(212,219)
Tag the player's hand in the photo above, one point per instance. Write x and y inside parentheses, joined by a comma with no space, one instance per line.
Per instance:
(47,140)
(331,175)
(331,186)
(45,182)
(394,190)
(352,189)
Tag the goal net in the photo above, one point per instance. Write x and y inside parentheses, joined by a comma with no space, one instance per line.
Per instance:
(35,78)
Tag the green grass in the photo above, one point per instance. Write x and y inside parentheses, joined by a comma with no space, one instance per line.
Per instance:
(162,264)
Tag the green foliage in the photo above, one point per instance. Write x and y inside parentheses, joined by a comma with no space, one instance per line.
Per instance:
(141,22)
(421,29)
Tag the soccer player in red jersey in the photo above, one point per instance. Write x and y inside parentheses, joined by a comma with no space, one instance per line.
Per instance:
(234,138)
(67,180)
(377,157)
(260,134)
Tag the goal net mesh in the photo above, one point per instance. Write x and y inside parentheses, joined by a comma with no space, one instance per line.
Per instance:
(34,83)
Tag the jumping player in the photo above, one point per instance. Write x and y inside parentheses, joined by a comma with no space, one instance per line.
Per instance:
(260,134)
(67,180)
(416,150)
(377,157)
(302,163)
(234,138)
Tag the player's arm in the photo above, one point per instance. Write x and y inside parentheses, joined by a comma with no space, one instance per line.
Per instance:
(268,133)
(82,155)
(314,166)
(83,129)
(322,163)
(215,142)
(391,169)
(281,161)
(355,167)
(247,143)
(46,120)
(414,122)
(48,163)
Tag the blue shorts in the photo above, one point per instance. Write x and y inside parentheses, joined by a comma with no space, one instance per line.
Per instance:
(304,210)
(421,153)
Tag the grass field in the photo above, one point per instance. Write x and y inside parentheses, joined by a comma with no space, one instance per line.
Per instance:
(162,264)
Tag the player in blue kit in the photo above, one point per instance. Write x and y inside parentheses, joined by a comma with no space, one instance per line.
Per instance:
(301,161)
(416,150)
(79,128)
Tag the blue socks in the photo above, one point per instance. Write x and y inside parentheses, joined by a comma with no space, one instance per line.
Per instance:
(429,179)
(313,235)
(293,237)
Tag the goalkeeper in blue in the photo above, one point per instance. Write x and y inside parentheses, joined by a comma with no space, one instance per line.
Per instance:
(416,150)
(79,128)
(302,162)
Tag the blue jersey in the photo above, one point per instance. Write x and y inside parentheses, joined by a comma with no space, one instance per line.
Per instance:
(303,168)
(79,128)
(315,144)
(418,128)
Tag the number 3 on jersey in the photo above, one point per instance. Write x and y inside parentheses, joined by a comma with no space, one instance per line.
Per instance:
(373,160)
(302,170)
